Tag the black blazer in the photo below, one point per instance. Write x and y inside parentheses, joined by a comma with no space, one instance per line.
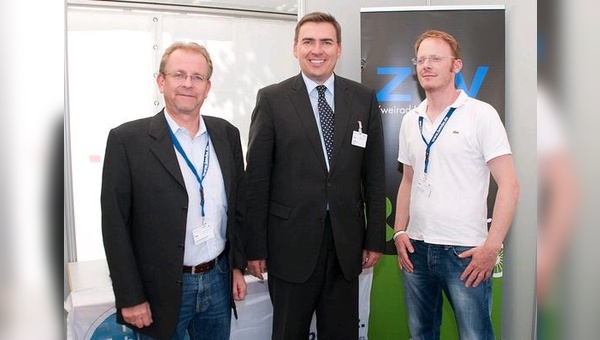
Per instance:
(288,186)
(144,207)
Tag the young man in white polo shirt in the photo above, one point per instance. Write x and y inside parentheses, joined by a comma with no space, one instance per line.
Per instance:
(449,145)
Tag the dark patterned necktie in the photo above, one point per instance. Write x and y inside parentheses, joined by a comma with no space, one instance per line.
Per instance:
(326,118)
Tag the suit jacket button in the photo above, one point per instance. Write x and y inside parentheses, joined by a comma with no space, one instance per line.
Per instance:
(178,282)
(181,246)
(329,184)
(184,209)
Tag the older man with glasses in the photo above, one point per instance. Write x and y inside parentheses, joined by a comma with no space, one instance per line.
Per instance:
(173,208)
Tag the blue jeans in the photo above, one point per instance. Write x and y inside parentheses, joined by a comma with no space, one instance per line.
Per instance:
(205,311)
(438,268)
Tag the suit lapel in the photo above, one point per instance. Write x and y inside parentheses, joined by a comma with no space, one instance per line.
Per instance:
(342,99)
(162,148)
(304,110)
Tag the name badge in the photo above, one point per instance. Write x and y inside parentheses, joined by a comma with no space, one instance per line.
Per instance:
(358,137)
(203,233)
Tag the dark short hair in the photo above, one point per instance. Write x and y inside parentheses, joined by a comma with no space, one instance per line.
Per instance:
(319,17)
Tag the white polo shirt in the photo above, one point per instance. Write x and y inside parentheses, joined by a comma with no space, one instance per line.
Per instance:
(455,211)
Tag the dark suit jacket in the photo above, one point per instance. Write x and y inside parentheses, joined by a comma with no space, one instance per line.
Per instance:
(144,207)
(288,186)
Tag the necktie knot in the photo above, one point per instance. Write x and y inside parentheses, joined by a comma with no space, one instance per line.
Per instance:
(321,89)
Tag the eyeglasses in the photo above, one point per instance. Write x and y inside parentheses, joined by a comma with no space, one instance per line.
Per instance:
(433,58)
(181,77)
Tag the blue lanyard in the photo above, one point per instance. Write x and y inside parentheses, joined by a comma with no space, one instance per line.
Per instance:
(205,164)
(435,135)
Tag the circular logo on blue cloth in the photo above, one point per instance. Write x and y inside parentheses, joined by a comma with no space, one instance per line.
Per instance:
(106,327)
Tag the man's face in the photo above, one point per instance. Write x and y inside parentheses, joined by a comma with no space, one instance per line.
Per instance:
(184,96)
(317,50)
(439,68)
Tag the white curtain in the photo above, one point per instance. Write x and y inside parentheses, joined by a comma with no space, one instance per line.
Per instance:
(113,57)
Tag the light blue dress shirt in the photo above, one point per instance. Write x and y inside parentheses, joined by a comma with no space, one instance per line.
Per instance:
(215,205)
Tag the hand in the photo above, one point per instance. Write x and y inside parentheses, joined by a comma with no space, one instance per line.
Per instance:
(482,263)
(138,315)
(257,267)
(239,285)
(403,247)
(369,258)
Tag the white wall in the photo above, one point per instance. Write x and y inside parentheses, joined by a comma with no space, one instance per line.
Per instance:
(31,98)
(114,57)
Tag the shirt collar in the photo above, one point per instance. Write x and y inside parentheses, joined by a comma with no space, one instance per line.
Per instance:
(176,127)
(311,84)
(461,100)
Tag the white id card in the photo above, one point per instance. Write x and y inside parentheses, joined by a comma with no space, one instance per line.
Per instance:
(203,233)
(359,139)
(424,187)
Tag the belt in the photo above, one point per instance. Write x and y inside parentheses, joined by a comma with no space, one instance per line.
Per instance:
(202,267)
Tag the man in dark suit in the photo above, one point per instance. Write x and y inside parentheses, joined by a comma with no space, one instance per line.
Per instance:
(314,167)
(172,210)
